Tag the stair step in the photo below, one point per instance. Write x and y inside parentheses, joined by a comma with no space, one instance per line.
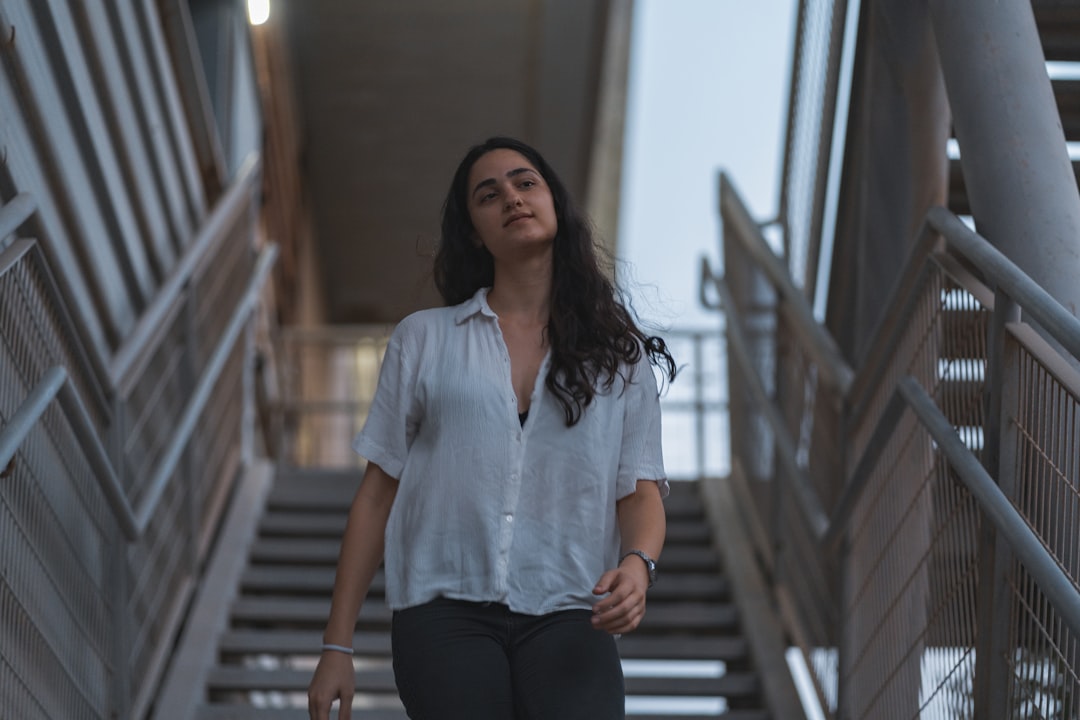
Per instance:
(1067,93)
(317,494)
(224,679)
(319,581)
(639,646)
(286,524)
(293,612)
(245,712)
(731,649)
(310,612)
(333,492)
(1059,27)
(297,642)
(303,551)
(229,679)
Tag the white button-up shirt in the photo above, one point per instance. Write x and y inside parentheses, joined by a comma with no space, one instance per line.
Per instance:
(488,510)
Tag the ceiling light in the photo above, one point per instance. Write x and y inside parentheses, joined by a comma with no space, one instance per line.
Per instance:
(258,11)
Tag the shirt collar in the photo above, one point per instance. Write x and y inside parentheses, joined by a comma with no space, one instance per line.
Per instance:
(477,304)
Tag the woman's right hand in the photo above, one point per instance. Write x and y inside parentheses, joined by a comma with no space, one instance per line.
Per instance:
(335,679)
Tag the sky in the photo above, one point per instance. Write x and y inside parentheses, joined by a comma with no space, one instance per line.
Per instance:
(708,92)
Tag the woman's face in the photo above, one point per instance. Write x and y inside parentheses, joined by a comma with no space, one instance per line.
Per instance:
(510,205)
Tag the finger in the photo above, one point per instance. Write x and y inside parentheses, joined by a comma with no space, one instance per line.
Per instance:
(617,616)
(625,623)
(345,708)
(618,605)
(605,583)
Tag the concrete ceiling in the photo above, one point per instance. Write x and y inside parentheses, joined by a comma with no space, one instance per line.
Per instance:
(391,95)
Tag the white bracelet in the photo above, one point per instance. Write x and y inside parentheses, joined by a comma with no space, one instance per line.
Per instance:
(338,648)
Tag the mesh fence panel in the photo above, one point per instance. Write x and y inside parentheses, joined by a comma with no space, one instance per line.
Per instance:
(910,600)
(55,601)
(1043,434)
(57,533)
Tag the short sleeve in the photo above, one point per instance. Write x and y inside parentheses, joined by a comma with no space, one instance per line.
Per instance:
(394,416)
(641,455)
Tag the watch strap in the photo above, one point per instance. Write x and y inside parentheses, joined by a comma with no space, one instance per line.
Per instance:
(650,564)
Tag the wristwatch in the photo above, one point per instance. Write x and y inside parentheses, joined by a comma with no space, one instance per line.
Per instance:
(649,563)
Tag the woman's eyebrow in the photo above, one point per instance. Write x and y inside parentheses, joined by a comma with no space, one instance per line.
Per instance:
(509,174)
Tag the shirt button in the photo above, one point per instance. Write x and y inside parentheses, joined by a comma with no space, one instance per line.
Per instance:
(509,518)
(513,476)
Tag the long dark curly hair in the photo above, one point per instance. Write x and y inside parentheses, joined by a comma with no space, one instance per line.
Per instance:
(590,330)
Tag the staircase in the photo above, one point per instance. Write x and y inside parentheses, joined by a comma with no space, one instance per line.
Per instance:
(1058,22)
(266,655)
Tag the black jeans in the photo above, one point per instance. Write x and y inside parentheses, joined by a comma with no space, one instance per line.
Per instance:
(480,661)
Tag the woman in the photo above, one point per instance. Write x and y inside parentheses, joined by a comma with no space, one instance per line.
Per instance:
(514,468)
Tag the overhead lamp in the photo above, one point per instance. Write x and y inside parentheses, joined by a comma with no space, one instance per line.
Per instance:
(258,11)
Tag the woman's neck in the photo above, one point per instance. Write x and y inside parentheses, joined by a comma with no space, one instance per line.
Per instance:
(522,292)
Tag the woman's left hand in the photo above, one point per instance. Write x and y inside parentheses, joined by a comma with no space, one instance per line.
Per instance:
(623,607)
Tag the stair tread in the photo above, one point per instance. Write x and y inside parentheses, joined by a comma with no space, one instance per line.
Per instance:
(224,711)
(244,712)
(322,551)
(377,644)
(698,616)
(282,523)
(301,580)
(381,681)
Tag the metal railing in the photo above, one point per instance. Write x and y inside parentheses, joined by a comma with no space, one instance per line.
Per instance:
(107,507)
(938,490)
(329,375)
(55,386)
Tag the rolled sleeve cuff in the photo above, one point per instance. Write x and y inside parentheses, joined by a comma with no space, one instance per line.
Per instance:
(376,453)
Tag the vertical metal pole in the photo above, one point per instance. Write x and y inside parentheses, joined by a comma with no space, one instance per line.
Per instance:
(993,628)
(117,570)
(699,404)
(1017,172)
(249,416)
(188,466)
(843,654)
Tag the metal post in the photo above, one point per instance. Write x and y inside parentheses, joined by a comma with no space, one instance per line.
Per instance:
(1016,166)
(995,556)
(699,404)
(191,469)
(119,589)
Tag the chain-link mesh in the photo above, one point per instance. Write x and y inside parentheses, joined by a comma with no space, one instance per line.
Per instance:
(1042,438)
(911,585)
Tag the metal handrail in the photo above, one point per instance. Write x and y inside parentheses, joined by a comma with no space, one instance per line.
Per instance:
(1055,584)
(153,318)
(15,213)
(55,384)
(821,346)
(805,494)
(1003,273)
(999,271)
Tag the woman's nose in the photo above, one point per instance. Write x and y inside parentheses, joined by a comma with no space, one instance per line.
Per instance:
(512,199)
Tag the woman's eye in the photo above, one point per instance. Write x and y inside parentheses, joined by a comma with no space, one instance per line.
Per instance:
(528,183)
